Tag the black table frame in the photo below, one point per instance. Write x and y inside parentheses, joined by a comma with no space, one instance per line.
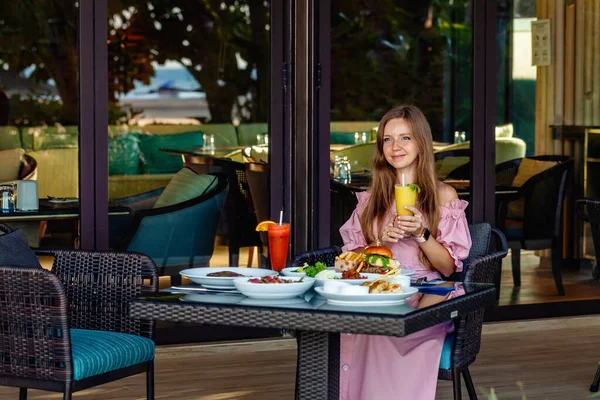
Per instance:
(318,330)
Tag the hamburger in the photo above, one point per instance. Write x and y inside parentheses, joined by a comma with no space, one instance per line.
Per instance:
(379,260)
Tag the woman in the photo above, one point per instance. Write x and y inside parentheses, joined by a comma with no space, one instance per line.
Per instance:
(432,242)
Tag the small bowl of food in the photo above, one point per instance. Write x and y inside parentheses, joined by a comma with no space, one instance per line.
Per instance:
(222,277)
(273,287)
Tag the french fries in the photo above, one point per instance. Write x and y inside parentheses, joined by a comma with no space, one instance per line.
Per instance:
(348,260)
(351,256)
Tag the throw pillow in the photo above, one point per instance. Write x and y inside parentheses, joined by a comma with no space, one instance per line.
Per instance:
(530,167)
(155,161)
(505,130)
(185,185)
(10,162)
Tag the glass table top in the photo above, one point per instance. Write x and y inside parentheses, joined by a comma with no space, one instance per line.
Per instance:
(312,301)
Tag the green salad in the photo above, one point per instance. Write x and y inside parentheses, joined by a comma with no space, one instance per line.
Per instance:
(311,270)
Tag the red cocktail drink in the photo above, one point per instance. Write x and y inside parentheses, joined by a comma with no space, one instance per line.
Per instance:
(279,240)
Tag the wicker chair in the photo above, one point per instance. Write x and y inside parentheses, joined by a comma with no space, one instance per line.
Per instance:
(65,331)
(239,216)
(258,184)
(542,216)
(589,211)
(343,203)
(461,347)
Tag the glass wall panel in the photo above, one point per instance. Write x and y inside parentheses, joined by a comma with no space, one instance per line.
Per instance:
(189,97)
(548,86)
(385,54)
(39,130)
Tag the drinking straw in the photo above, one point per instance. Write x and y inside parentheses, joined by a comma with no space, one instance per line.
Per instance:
(281,217)
(403,179)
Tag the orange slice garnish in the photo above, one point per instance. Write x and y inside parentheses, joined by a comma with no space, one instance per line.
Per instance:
(263,226)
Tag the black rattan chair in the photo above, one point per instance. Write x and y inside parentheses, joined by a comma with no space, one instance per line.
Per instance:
(239,224)
(65,331)
(343,203)
(541,225)
(257,175)
(464,344)
(589,211)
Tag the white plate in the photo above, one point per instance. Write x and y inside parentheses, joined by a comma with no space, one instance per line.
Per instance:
(378,299)
(198,275)
(338,275)
(290,271)
(274,291)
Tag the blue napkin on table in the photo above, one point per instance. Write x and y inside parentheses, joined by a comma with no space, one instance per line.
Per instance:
(437,290)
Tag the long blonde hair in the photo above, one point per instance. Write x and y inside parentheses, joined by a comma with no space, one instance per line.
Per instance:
(384,175)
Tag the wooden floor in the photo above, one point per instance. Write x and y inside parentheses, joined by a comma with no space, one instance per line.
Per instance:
(554,359)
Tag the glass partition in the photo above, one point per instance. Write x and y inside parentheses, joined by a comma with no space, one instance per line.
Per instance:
(189,98)
(39,133)
(546,150)
(385,54)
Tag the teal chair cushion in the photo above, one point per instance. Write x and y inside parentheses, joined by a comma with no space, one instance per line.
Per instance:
(446,359)
(341,138)
(98,352)
(155,161)
(124,155)
(184,186)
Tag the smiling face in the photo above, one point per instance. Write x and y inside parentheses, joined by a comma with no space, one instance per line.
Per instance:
(399,145)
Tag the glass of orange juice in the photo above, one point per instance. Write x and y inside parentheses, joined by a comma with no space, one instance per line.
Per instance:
(406,195)
(279,241)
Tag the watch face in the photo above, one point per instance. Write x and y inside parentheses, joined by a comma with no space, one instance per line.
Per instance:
(426,234)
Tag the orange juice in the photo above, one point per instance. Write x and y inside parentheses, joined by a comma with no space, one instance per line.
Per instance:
(405,196)
(279,240)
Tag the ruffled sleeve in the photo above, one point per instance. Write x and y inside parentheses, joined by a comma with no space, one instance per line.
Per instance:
(351,231)
(453,231)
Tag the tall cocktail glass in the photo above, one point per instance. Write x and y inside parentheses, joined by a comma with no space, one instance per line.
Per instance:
(279,241)
(405,196)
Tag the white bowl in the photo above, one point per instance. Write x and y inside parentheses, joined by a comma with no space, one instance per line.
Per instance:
(199,275)
(272,290)
(403,280)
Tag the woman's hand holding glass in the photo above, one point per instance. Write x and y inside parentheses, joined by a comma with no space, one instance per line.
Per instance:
(410,225)
(392,233)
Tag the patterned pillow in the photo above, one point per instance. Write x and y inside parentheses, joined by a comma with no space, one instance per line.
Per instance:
(530,167)
(185,185)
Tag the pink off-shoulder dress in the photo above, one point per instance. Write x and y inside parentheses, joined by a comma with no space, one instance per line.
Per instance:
(399,368)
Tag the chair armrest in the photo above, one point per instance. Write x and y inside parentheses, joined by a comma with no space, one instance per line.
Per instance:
(326,255)
(484,269)
(99,286)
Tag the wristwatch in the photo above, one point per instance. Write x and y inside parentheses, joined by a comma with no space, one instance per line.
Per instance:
(424,236)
